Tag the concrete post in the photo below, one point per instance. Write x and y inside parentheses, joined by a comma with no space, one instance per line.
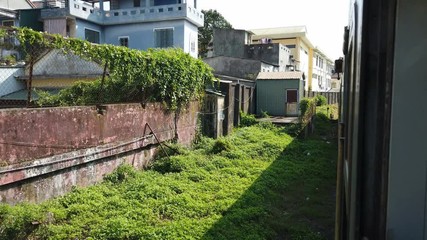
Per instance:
(237,104)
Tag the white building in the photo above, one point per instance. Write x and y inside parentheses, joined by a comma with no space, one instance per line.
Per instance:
(322,71)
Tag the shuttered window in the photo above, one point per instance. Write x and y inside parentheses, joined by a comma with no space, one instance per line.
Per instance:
(91,36)
(164,38)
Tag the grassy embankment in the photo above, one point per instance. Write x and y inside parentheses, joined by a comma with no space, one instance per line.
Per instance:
(258,183)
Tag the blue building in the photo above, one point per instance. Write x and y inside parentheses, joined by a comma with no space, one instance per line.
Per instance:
(138,24)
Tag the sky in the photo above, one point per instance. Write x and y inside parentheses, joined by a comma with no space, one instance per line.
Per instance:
(325,19)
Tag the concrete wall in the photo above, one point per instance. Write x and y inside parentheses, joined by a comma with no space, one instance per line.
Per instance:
(8,82)
(191,39)
(44,152)
(273,53)
(229,43)
(271,95)
(235,67)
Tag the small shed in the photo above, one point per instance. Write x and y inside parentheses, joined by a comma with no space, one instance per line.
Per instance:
(279,93)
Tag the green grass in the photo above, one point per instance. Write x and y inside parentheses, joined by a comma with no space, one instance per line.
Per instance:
(258,183)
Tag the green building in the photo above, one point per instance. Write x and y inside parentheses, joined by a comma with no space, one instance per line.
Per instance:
(279,93)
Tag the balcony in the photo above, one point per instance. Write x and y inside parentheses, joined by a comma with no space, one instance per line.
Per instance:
(83,10)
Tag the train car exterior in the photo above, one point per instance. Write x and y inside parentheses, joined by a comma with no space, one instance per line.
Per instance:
(382,167)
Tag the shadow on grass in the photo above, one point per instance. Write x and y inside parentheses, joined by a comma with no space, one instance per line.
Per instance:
(292,199)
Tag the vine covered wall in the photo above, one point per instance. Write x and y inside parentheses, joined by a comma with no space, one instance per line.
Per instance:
(157,75)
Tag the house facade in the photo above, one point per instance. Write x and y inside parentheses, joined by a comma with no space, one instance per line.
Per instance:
(238,44)
(138,24)
(322,72)
(232,53)
(8,13)
(303,54)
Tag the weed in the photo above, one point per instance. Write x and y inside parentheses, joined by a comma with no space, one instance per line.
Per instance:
(321,100)
(247,120)
(252,184)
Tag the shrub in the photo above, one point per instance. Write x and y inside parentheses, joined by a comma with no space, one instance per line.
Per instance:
(264,114)
(321,100)
(220,145)
(303,105)
(122,173)
(267,125)
(247,120)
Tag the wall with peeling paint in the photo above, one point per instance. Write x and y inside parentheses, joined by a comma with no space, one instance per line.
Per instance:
(46,151)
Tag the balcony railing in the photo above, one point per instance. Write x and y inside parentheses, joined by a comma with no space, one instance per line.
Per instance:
(84,10)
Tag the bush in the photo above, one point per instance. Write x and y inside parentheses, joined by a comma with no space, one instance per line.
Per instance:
(122,173)
(321,100)
(305,104)
(220,145)
(264,114)
(247,120)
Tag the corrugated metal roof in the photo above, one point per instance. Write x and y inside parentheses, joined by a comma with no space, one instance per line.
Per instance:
(279,75)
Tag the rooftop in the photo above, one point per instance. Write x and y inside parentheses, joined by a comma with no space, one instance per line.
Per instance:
(282,33)
(279,75)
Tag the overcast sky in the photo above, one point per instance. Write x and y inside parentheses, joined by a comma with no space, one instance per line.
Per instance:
(325,19)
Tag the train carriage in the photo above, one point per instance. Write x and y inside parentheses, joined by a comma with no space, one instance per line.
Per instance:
(382,167)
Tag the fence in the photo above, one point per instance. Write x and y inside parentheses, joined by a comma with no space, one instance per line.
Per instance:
(333,97)
(221,111)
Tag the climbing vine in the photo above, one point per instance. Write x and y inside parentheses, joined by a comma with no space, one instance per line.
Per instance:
(165,75)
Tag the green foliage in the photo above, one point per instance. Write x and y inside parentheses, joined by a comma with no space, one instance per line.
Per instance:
(305,104)
(264,114)
(267,125)
(320,100)
(247,120)
(323,124)
(307,107)
(213,19)
(253,184)
(164,75)
(331,111)
(220,145)
(9,60)
(122,173)
(293,129)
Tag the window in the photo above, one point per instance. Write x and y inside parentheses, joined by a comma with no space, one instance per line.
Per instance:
(137,3)
(163,38)
(8,23)
(193,46)
(124,41)
(91,36)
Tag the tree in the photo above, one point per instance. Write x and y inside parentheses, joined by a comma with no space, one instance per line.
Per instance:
(213,19)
